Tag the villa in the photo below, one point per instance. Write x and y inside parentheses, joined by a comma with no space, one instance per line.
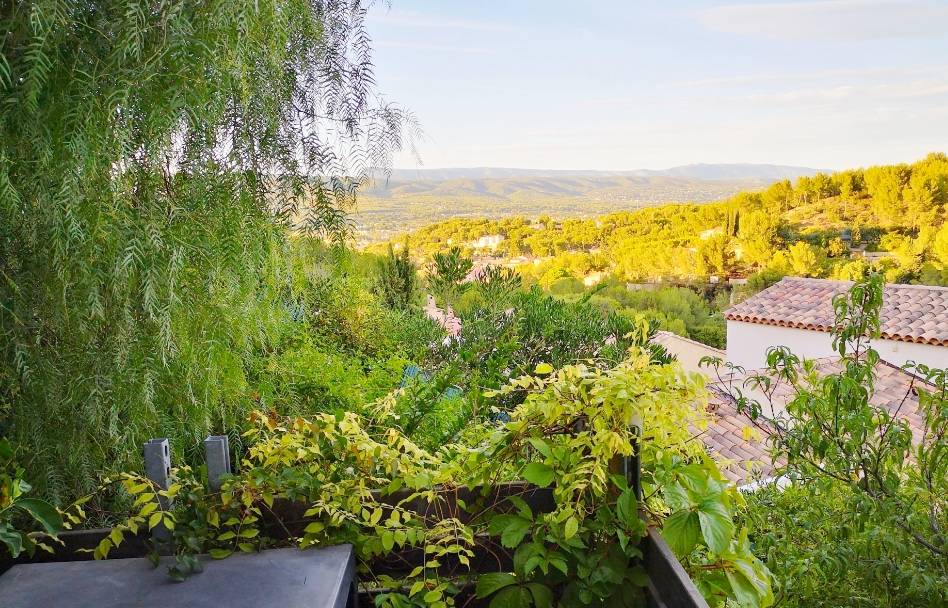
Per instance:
(798,313)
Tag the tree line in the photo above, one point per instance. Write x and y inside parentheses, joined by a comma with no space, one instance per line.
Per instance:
(818,226)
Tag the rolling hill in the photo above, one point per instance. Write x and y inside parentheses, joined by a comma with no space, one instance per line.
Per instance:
(408,199)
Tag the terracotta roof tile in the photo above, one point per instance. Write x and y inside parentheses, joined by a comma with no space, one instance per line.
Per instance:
(747,459)
(910,313)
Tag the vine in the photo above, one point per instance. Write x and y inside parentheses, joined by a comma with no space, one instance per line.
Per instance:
(364,482)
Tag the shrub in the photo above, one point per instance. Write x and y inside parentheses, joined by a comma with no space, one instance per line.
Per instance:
(570,428)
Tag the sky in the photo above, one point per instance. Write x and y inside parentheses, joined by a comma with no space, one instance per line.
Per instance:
(613,85)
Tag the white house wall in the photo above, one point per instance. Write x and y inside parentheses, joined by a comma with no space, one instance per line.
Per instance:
(747,345)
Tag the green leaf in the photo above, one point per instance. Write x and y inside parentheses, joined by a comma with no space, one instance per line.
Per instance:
(511,597)
(682,531)
(638,576)
(744,591)
(539,474)
(716,525)
(13,540)
(514,532)
(527,558)
(44,513)
(560,564)
(627,508)
(219,553)
(572,526)
(757,575)
(314,527)
(542,595)
(522,507)
(116,536)
(6,450)
(677,498)
(491,582)
(541,446)
(388,540)
(543,368)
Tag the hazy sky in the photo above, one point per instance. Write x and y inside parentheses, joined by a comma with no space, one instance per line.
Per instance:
(650,84)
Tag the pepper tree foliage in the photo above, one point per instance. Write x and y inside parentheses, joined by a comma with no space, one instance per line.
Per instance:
(146,149)
(362,481)
(881,492)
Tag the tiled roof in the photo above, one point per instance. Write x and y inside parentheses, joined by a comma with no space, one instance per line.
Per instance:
(737,443)
(910,313)
(748,458)
(688,352)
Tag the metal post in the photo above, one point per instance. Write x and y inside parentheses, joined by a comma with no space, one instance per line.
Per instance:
(633,464)
(158,470)
(217,456)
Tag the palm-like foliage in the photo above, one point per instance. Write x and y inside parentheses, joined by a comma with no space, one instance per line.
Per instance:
(145,150)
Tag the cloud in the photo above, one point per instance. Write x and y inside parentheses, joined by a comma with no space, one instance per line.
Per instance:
(830,19)
(416,20)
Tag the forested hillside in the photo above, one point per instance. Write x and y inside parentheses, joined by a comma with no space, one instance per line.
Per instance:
(408,200)
(888,218)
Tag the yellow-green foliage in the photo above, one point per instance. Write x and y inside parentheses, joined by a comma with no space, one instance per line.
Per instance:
(568,432)
(748,232)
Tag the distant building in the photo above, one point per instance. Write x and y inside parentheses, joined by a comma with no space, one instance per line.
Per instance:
(798,313)
(488,241)
(704,235)
(642,286)
(443,317)
(593,278)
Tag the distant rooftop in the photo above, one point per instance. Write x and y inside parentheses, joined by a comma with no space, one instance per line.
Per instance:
(688,352)
(910,313)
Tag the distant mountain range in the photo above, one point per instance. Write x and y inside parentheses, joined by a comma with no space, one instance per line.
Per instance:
(686,183)
(699,171)
(408,199)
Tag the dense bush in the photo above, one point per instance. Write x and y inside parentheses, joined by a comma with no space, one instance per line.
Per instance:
(677,309)
(507,334)
(828,550)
